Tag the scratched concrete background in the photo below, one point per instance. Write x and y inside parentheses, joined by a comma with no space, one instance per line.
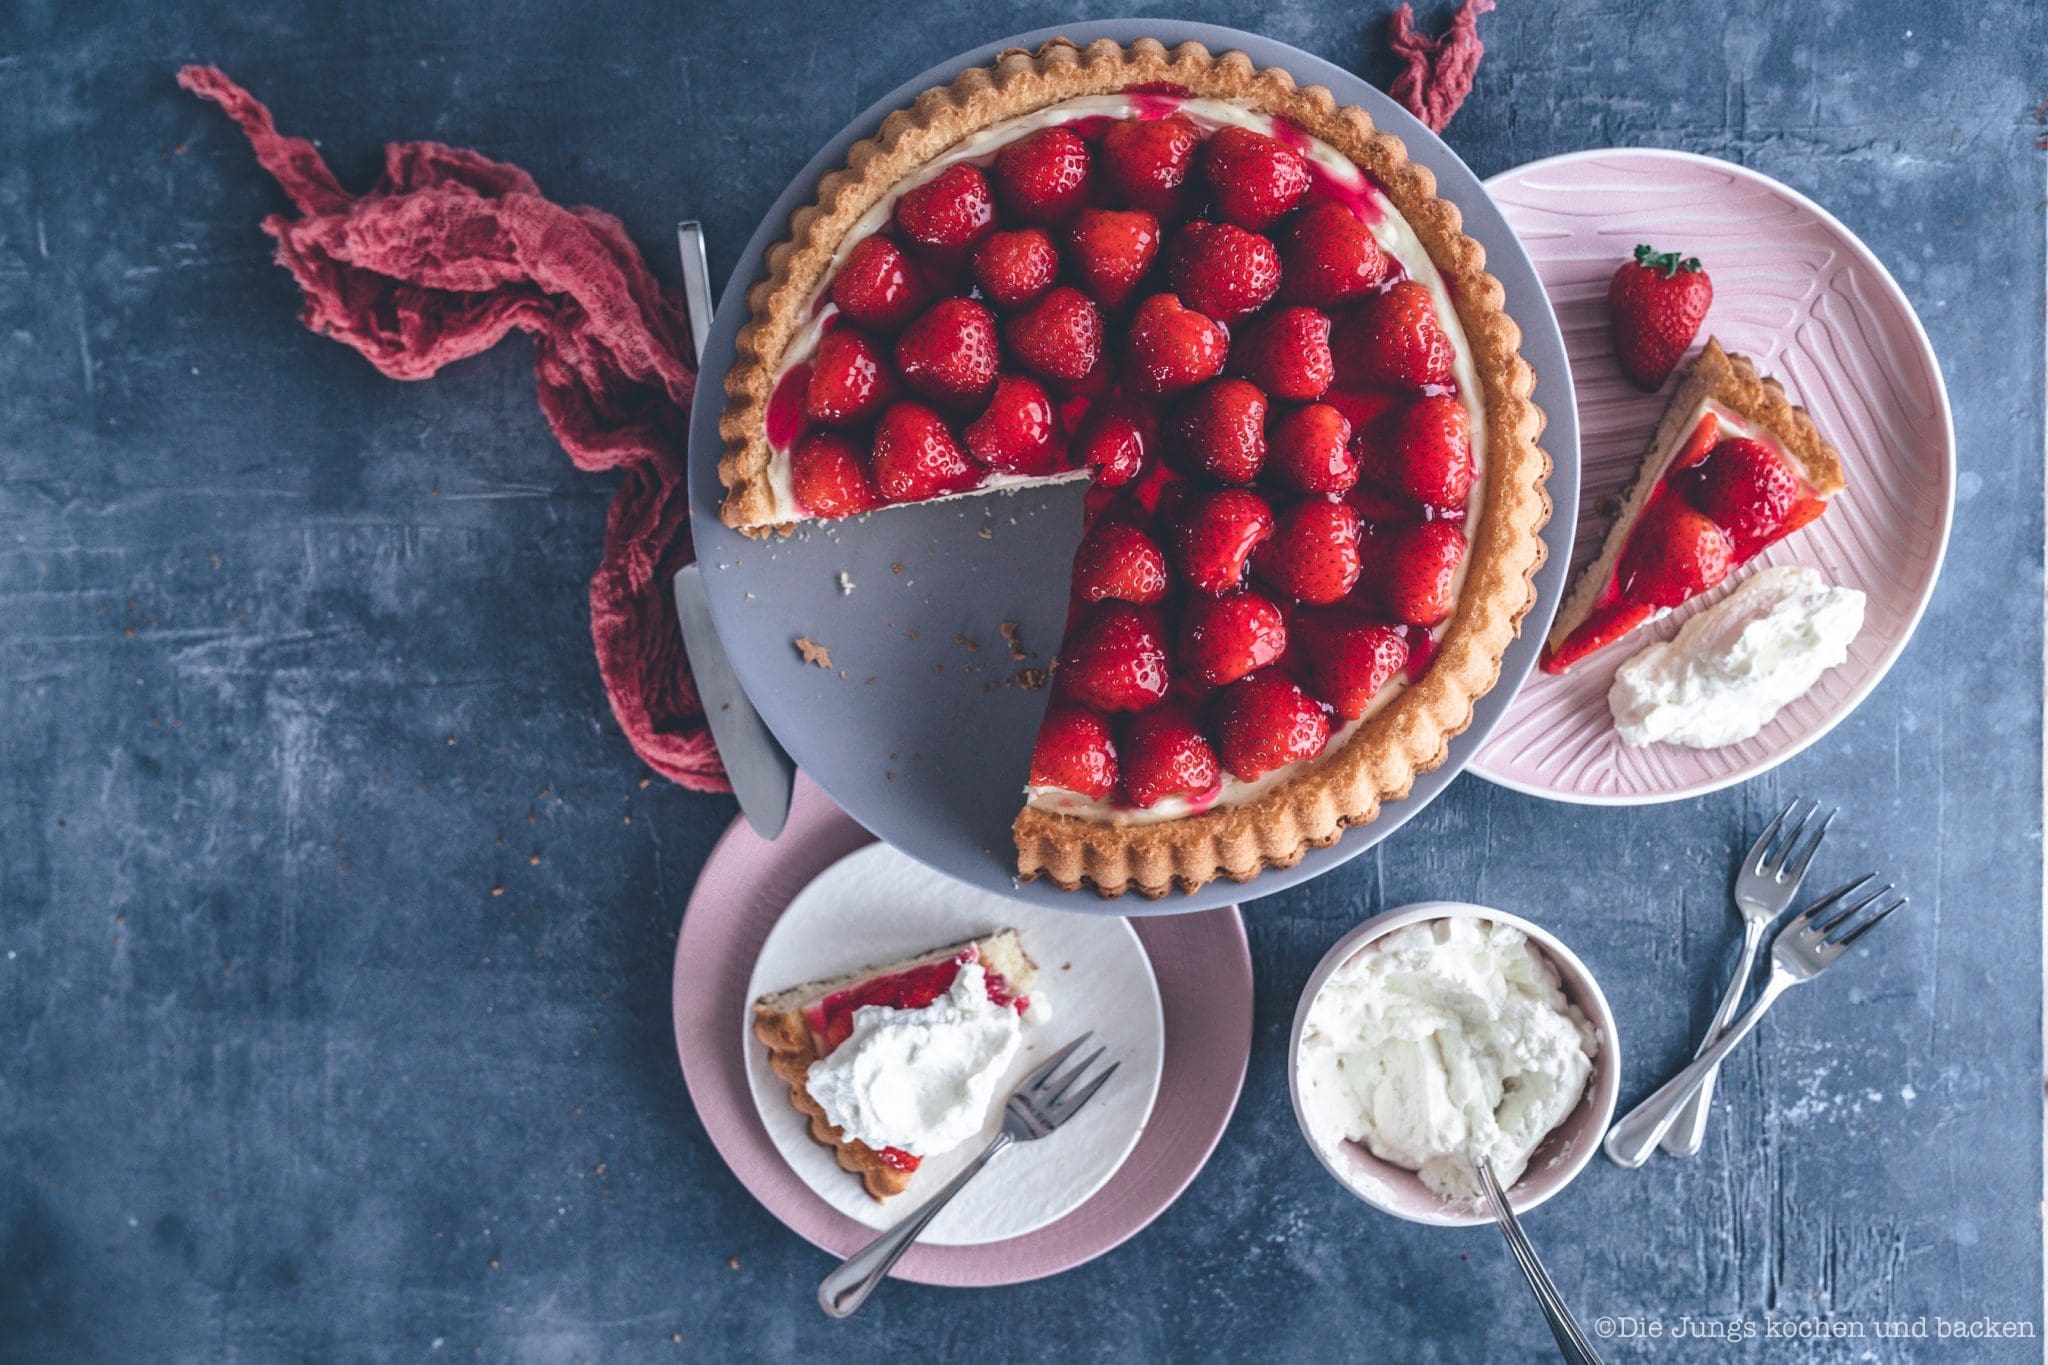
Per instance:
(336,918)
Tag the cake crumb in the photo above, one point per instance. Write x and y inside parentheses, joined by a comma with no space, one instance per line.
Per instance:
(731,1263)
(497,891)
(897,568)
(1013,635)
(986,534)
(1030,679)
(813,652)
(910,634)
(972,646)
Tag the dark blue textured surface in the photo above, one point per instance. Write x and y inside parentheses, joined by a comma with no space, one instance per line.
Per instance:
(295,672)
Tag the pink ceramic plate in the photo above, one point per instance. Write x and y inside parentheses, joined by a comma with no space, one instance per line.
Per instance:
(1204,971)
(1797,292)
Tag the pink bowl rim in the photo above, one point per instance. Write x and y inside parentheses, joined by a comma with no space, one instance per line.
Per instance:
(1603,1089)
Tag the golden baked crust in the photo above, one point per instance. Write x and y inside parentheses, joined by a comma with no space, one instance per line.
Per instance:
(1732,380)
(1412,733)
(790,1054)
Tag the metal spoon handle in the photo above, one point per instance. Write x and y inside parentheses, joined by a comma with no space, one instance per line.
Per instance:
(1572,1341)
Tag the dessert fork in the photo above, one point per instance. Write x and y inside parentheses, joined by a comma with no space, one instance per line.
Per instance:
(1807,946)
(1766,883)
(1572,1341)
(1038,1105)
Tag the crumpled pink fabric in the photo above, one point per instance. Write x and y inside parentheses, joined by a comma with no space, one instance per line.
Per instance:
(1437,73)
(449,252)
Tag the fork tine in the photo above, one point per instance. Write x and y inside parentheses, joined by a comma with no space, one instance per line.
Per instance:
(1826,904)
(1066,1082)
(1795,868)
(1867,925)
(1045,1068)
(1755,861)
(1837,918)
(1794,831)
(1063,1112)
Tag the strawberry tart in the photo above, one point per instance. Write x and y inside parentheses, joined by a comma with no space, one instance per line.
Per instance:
(1249,319)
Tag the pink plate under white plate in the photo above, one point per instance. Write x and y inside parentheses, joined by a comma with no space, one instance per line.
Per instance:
(1203,968)
(1797,292)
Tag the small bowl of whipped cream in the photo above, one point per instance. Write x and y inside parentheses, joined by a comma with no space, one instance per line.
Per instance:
(1439,1032)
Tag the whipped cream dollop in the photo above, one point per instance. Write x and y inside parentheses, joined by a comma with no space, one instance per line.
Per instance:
(1734,666)
(1442,1042)
(919,1080)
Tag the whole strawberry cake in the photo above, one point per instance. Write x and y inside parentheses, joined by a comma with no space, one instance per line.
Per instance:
(1251,322)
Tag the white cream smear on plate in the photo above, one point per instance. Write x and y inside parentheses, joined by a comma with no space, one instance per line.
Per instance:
(1733,667)
(1442,1042)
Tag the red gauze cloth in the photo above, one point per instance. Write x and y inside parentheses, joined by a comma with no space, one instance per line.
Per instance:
(1437,72)
(445,255)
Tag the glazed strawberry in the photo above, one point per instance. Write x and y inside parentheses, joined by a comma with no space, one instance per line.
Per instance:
(1043,178)
(1116,661)
(879,286)
(849,382)
(1674,553)
(1216,535)
(1287,353)
(1222,270)
(1111,250)
(1314,554)
(828,473)
(1018,432)
(1075,752)
(1351,660)
(1268,722)
(949,352)
(1381,506)
(1429,452)
(1746,488)
(1394,338)
(1223,639)
(1416,570)
(944,217)
(1060,336)
(1014,268)
(1117,560)
(1223,427)
(1657,301)
(1146,162)
(1329,257)
(1166,754)
(1309,448)
(1113,443)
(1254,180)
(1173,347)
(916,457)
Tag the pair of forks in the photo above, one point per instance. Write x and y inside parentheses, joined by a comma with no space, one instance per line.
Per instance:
(1675,1114)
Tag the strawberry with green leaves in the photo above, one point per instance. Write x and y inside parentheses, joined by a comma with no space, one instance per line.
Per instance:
(1658,301)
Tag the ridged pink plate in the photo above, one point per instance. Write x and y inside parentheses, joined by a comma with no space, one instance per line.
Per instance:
(1799,294)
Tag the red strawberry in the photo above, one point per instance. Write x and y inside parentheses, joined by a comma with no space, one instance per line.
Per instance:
(1429,452)
(1113,443)
(1116,661)
(1043,177)
(916,457)
(1223,270)
(1018,432)
(1287,353)
(1075,752)
(1111,251)
(1351,660)
(1658,301)
(849,383)
(1268,722)
(1224,638)
(828,473)
(947,214)
(1674,553)
(1216,536)
(1146,162)
(1309,448)
(1745,487)
(949,352)
(1117,560)
(1172,347)
(1254,179)
(1224,427)
(1380,506)
(1014,268)
(879,286)
(1166,754)
(1059,337)
(1416,569)
(1330,258)
(1313,555)
(1394,338)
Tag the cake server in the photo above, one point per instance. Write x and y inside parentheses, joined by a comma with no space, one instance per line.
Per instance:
(762,774)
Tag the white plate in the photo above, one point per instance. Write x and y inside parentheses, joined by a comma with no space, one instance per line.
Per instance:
(878,905)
